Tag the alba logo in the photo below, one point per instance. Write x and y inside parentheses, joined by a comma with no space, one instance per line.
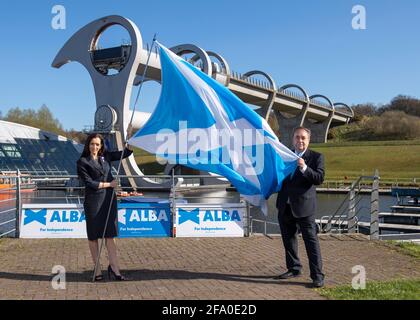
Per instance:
(221,215)
(67,216)
(146,215)
(39,216)
(209,215)
(62,216)
(130,216)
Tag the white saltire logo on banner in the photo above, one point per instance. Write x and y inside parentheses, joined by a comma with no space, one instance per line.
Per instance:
(53,221)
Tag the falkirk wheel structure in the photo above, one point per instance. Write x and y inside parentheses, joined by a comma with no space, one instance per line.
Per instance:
(284,107)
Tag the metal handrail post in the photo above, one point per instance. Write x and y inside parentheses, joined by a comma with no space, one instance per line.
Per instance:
(265,226)
(251,221)
(248,209)
(374,208)
(246,217)
(351,221)
(173,202)
(18,205)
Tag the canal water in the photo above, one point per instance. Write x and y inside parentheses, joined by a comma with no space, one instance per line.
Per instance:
(328,204)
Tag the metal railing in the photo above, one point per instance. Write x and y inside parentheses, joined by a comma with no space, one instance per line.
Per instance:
(10,204)
(182,186)
(345,218)
(265,223)
(384,184)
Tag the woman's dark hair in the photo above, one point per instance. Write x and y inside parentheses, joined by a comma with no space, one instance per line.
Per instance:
(86,150)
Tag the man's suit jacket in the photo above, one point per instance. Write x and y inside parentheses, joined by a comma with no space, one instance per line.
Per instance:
(300,187)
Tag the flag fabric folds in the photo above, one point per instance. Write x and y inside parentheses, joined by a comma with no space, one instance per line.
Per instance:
(201,124)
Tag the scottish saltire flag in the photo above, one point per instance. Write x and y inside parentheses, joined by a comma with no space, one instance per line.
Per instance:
(199,123)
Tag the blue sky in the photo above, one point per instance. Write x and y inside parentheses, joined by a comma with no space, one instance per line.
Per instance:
(310,43)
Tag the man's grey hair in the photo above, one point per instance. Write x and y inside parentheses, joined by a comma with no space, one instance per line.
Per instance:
(308,131)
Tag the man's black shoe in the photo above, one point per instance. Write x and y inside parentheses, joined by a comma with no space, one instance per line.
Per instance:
(318,283)
(288,275)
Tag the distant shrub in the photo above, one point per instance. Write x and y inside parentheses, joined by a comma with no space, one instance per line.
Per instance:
(42,119)
(364,110)
(409,105)
(391,125)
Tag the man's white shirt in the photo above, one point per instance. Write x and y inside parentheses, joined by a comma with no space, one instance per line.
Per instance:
(300,154)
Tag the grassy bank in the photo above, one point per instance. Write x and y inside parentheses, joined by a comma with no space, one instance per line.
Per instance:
(147,162)
(398,289)
(393,159)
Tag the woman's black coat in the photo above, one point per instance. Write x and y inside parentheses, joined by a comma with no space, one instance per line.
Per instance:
(97,201)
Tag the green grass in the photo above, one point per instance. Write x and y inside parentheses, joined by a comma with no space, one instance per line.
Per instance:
(147,162)
(141,153)
(399,289)
(408,248)
(389,290)
(393,159)
(151,168)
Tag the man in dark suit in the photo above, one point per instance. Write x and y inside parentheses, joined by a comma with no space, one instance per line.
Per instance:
(296,204)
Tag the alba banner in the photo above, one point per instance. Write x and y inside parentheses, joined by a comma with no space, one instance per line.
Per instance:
(53,221)
(208,220)
(68,220)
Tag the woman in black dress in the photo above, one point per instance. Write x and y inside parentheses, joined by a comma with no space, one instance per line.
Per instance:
(94,169)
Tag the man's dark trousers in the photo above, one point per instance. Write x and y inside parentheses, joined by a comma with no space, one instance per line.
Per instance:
(289,227)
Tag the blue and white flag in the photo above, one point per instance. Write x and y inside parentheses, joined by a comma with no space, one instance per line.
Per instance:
(201,124)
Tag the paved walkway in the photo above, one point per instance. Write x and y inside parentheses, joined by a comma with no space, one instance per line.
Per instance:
(190,268)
